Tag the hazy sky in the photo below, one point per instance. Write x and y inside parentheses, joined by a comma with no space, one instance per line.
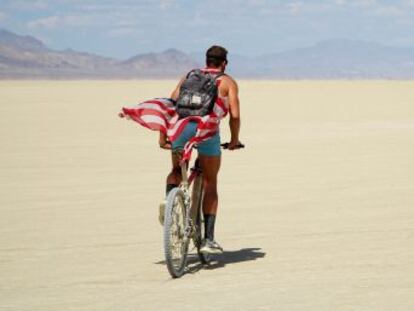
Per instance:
(124,28)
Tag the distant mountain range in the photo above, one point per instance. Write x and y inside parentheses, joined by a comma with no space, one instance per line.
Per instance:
(25,57)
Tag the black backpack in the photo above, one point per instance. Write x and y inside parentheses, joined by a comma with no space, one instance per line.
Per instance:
(198,93)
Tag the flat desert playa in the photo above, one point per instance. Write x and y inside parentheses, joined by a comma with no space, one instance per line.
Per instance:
(315,214)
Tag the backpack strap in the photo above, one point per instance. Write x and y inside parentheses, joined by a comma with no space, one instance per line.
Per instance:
(219,75)
(199,71)
(194,70)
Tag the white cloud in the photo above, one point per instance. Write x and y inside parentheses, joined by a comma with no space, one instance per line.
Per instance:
(294,7)
(56,21)
(3,16)
(388,11)
(364,3)
(357,3)
(47,22)
(166,4)
(112,7)
(29,5)
(256,2)
(122,32)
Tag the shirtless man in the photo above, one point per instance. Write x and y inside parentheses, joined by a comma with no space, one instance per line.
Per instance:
(209,151)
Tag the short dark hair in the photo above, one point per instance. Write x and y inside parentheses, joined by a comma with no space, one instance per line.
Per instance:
(215,56)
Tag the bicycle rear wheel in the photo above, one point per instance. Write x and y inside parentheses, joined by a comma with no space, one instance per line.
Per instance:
(197,201)
(204,258)
(175,240)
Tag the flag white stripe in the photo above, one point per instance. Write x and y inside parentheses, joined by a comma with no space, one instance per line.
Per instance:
(153,119)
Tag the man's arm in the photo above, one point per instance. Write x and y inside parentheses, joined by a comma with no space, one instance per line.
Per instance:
(176,92)
(234,106)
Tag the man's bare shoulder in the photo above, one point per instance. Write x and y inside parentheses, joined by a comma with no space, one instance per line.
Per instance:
(229,80)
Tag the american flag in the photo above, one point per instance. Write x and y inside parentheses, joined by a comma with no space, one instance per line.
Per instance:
(159,114)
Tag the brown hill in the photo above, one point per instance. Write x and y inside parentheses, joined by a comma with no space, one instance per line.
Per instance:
(27,57)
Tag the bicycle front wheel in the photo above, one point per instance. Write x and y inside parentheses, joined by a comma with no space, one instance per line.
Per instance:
(175,239)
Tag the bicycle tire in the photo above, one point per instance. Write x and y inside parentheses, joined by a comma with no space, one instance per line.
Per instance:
(197,199)
(175,244)
(204,258)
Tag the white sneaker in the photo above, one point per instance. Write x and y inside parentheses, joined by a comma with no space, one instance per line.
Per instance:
(161,212)
(211,247)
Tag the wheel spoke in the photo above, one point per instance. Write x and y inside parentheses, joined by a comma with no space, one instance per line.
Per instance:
(177,232)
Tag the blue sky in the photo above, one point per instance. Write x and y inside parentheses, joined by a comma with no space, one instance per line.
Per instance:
(124,28)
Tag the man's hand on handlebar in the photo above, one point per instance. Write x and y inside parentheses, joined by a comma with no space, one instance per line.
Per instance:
(232,145)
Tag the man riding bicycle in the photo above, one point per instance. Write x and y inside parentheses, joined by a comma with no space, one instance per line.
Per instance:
(208,146)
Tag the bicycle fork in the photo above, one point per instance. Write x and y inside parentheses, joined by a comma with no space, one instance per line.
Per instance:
(191,203)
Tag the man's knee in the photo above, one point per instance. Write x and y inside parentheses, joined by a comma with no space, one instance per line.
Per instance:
(176,171)
(210,186)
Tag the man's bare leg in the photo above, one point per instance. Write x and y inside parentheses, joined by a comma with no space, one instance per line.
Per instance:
(173,180)
(210,166)
(174,177)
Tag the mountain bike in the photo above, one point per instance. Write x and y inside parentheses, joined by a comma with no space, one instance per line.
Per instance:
(184,219)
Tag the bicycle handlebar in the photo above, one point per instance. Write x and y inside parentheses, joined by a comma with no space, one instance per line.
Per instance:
(226,146)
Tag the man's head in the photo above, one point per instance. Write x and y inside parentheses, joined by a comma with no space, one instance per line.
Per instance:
(216,57)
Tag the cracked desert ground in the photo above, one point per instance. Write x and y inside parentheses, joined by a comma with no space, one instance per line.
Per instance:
(316,213)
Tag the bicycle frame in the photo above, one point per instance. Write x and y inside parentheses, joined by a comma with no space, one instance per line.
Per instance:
(195,171)
(192,201)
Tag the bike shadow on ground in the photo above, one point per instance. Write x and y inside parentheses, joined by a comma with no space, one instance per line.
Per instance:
(222,260)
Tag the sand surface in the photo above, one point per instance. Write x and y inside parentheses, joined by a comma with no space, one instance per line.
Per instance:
(317,213)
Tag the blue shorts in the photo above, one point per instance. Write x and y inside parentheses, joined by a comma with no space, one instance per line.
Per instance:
(210,147)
